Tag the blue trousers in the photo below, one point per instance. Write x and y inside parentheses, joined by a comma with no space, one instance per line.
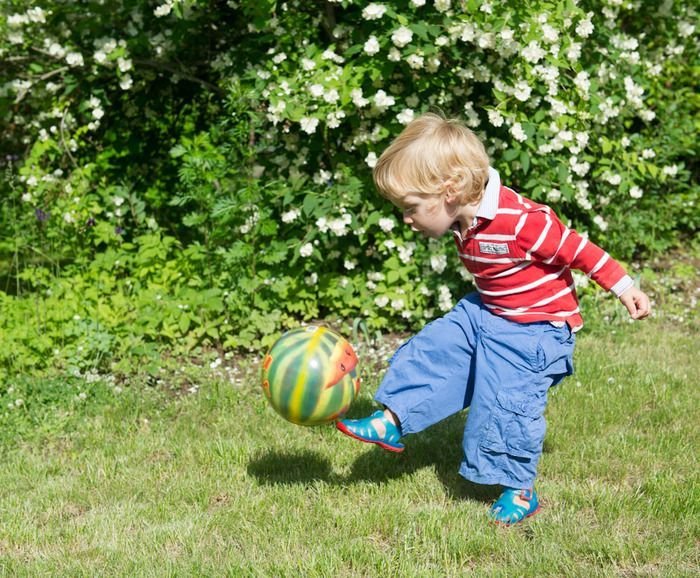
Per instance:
(499,369)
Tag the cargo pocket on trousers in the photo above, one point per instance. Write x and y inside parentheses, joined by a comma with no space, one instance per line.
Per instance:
(516,426)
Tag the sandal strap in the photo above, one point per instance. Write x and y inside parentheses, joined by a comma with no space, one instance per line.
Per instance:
(515,505)
(365,430)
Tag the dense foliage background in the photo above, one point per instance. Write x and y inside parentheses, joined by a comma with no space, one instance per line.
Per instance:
(191,172)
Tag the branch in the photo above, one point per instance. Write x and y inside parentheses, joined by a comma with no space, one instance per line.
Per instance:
(22,93)
(157,65)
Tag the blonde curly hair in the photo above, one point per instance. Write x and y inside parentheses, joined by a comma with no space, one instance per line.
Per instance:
(431,155)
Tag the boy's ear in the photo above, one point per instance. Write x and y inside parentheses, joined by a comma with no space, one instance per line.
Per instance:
(450,194)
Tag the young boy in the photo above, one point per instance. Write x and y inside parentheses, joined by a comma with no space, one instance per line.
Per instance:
(500,349)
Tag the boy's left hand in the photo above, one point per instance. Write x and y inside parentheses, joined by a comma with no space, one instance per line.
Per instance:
(637,303)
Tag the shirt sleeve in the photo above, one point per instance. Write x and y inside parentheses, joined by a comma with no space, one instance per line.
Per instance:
(542,237)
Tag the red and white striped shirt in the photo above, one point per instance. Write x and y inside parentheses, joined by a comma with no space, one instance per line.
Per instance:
(521,256)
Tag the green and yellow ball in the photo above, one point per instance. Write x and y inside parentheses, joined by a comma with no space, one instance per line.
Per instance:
(309,376)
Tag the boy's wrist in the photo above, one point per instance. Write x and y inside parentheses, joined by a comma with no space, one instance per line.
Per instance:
(622,285)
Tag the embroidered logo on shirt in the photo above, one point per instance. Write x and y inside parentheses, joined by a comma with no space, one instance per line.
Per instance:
(493,248)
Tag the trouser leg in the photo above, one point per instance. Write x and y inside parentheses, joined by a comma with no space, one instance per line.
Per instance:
(516,364)
(429,377)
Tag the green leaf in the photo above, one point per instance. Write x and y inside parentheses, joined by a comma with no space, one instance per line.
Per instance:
(511,154)
(525,161)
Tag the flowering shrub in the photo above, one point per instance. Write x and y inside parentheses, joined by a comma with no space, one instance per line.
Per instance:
(243,134)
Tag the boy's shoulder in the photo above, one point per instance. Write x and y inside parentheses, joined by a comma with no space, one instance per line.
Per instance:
(511,201)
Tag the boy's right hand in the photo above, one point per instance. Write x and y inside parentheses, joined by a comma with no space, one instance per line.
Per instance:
(636,302)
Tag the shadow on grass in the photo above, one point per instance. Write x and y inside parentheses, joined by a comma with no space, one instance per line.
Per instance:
(277,467)
(439,447)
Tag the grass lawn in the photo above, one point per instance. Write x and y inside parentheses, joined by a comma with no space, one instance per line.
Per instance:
(146,483)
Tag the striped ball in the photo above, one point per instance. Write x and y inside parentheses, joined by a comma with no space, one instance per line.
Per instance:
(309,376)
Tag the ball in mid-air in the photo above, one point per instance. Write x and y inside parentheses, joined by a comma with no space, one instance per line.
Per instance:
(309,376)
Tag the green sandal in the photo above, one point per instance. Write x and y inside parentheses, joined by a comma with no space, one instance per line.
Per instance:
(365,431)
(514,506)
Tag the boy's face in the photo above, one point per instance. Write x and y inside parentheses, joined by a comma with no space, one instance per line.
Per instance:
(432,215)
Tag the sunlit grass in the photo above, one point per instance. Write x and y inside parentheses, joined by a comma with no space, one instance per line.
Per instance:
(144,482)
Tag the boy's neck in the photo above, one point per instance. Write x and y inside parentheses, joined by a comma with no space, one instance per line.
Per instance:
(466,215)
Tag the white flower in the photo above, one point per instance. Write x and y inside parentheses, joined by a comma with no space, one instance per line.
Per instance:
(386,224)
(438,263)
(398,304)
(442,41)
(381,301)
(118,201)
(371,46)
(333,118)
(309,125)
(418,3)
(636,192)
(648,154)
(581,169)
(371,160)
(98,113)
(306,250)
(415,61)
(585,27)
(331,96)
(163,9)
(124,64)
(56,50)
(506,34)
(685,29)
(316,90)
(553,195)
(613,179)
(442,5)
(94,102)
(533,53)
(74,59)
(522,91)
(444,298)
(279,58)
(394,54)
(291,216)
(549,34)
(402,36)
(373,11)
(383,100)
(634,92)
(330,55)
(671,170)
(308,64)
(36,15)
(582,82)
(573,52)
(405,116)
(349,265)
(358,100)
(495,118)
(126,82)
(600,222)
(518,133)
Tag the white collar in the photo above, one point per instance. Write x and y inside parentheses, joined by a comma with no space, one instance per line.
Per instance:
(489,202)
